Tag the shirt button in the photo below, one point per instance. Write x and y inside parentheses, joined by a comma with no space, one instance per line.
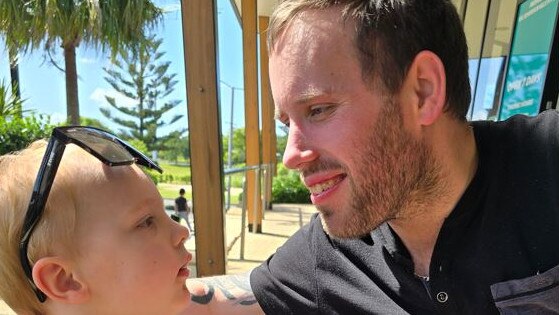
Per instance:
(442,297)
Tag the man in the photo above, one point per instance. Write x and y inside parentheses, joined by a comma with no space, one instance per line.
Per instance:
(420,211)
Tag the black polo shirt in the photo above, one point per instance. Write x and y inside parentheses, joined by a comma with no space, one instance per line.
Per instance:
(498,249)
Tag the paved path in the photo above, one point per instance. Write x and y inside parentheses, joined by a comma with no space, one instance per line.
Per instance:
(277,226)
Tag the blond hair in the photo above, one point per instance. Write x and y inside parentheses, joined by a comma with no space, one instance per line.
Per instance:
(55,231)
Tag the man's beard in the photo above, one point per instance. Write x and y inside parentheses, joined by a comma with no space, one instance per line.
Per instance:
(395,176)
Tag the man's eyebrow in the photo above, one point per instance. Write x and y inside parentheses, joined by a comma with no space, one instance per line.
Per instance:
(312,95)
(306,97)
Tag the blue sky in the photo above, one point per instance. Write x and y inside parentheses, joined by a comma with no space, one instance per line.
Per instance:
(43,85)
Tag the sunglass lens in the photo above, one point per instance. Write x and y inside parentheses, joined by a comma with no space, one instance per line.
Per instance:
(102,143)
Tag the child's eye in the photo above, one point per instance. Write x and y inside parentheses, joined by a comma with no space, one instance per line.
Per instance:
(147,222)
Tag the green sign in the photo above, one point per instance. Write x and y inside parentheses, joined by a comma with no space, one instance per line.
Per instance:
(529,56)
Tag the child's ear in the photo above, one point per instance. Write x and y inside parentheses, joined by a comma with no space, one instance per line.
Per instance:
(54,277)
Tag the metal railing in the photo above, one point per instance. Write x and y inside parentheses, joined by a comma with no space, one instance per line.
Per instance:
(266,172)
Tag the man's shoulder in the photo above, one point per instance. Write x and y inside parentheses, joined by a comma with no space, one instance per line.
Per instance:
(524,124)
(519,132)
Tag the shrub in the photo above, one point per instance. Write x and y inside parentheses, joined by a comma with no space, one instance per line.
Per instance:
(10,104)
(154,175)
(236,180)
(169,178)
(17,133)
(288,188)
(139,145)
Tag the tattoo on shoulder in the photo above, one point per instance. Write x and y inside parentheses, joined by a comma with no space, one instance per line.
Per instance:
(235,288)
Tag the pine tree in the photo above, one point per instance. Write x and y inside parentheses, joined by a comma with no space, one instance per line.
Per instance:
(139,74)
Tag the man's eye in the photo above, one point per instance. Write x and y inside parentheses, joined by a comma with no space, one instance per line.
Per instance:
(316,111)
(320,111)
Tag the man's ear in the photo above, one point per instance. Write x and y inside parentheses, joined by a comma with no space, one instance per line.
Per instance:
(428,79)
(54,277)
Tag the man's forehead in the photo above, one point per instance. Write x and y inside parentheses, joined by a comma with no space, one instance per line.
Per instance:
(311,28)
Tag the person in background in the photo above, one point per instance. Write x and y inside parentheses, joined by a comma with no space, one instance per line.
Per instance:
(182,209)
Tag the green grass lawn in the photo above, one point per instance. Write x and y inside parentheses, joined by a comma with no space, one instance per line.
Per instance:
(175,170)
(183,170)
(171,190)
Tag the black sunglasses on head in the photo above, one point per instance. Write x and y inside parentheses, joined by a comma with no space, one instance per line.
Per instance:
(106,147)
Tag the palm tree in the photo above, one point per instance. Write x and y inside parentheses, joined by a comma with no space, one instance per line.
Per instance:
(13,38)
(10,104)
(50,24)
(14,72)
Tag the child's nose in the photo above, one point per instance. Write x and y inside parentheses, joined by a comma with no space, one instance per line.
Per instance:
(182,234)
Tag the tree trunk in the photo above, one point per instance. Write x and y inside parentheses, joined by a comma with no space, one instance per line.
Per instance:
(72,102)
(14,76)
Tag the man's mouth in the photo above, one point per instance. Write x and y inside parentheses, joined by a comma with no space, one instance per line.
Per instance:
(321,187)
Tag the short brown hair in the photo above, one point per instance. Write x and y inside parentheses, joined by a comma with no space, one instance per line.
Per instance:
(389,34)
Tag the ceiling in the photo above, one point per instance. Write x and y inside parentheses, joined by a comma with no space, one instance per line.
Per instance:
(497,40)
(264,7)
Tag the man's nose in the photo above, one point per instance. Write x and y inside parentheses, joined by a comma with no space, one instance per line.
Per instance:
(298,150)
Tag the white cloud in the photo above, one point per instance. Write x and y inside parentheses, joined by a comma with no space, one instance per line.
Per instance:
(98,96)
(87,61)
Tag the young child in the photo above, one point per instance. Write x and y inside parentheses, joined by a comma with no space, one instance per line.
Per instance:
(103,245)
